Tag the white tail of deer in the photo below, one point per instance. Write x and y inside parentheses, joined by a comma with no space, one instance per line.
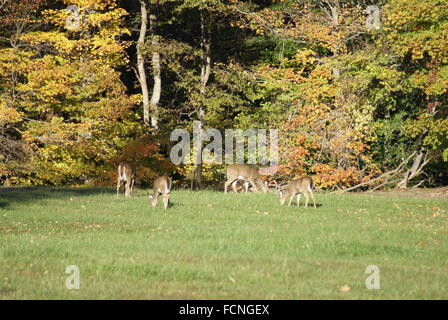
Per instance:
(162,185)
(126,177)
(300,186)
(243,172)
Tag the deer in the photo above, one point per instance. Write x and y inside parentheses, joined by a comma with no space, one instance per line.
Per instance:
(126,176)
(302,185)
(162,185)
(243,172)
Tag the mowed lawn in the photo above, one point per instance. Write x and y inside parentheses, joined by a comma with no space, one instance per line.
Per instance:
(209,245)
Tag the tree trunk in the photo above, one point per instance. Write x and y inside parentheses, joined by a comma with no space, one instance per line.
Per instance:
(141,62)
(155,61)
(205,74)
(417,166)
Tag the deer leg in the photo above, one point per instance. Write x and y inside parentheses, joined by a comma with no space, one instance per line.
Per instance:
(306,198)
(132,184)
(154,199)
(246,186)
(118,185)
(314,201)
(290,200)
(254,185)
(166,198)
(234,183)
(298,200)
(128,188)
(226,184)
(263,185)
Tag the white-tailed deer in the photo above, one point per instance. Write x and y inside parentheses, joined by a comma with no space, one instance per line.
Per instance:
(243,172)
(126,177)
(162,185)
(303,185)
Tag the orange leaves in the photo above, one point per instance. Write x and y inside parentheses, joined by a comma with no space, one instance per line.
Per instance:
(281,76)
(299,153)
(139,148)
(329,149)
(304,56)
(327,176)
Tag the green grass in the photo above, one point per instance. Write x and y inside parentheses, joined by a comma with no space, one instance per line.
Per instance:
(209,245)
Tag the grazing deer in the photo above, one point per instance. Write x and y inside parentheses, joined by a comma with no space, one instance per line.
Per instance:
(162,185)
(243,172)
(126,177)
(303,185)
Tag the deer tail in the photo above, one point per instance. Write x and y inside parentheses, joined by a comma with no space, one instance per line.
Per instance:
(168,187)
(311,185)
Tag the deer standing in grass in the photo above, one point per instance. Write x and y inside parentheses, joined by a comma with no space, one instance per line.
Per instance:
(296,188)
(162,185)
(243,172)
(126,177)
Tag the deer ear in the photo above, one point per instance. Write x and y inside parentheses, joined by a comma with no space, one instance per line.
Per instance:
(150,196)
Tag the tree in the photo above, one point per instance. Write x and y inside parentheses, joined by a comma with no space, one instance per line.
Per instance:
(150,106)
(141,75)
(420,42)
(16,19)
(76,113)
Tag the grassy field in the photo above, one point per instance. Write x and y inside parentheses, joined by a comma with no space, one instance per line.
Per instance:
(214,246)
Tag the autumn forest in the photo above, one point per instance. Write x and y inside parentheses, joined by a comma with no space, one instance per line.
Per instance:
(357,89)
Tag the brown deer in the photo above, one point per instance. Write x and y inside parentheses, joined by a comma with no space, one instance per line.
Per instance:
(303,185)
(162,185)
(243,172)
(125,176)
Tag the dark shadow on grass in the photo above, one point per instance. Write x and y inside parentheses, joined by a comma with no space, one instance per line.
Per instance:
(173,204)
(302,206)
(170,204)
(16,195)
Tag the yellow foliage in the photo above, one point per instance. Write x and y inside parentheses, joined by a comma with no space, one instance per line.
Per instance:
(8,114)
